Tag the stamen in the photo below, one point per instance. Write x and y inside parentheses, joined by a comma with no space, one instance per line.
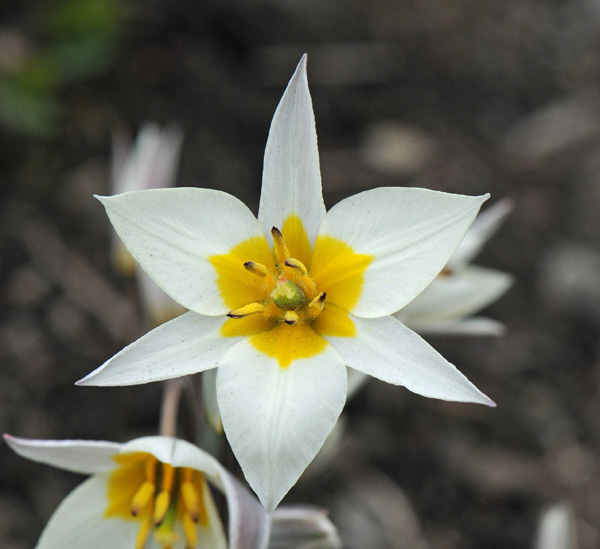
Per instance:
(247,310)
(316,306)
(163,500)
(290,318)
(257,269)
(147,489)
(296,264)
(189,494)
(281,250)
(143,533)
(190,532)
(142,497)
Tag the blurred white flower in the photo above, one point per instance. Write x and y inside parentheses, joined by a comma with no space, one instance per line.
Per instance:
(146,494)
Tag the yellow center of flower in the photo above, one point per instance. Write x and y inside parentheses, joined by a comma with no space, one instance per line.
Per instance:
(286,299)
(160,496)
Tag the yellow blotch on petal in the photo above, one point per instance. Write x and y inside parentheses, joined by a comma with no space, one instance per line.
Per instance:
(288,343)
(297,239)
(334,321)
(247,326)
(339,271)
(237,285)
(124,482)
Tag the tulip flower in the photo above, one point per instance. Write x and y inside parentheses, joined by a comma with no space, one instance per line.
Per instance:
(149,493)
(284,303)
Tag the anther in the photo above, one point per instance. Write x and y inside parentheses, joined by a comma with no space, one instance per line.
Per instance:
(290,318)
(163,500)
(190,498)
(247,310)
(142,497)
(319,301)
(295,264)
(256,268)
(190,532)
(316,306)
(281,250)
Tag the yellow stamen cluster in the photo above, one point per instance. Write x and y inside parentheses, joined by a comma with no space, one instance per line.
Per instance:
(292,294)
(159,495)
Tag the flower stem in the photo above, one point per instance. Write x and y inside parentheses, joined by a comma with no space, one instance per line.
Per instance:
(170,407)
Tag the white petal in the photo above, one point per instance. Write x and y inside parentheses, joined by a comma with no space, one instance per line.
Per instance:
(454,296)
(386,349)
(185,345)
(277,419)
(474,326)
(484,227)
(79,456)
(176,452)
(79,522)
(248,522)
(291,175)
(410,232)
(172,232)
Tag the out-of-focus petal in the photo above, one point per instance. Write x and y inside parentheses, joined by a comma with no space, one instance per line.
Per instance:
(172,233)
(79,456)
(187,344)
(302,527)
(79,521)
(211,407)
(356,380)
(484,227)
(386,349)
(474,326)
(291,175)
(276,419)
(557,528)
(411,234)
(454,296)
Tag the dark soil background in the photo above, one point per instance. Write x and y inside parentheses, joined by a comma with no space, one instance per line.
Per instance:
(501,96)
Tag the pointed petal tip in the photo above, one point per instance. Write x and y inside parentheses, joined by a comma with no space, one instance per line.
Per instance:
(85,381)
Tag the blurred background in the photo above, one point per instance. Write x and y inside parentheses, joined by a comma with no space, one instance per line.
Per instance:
(501,96)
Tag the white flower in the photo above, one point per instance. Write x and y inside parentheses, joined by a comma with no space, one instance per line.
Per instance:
(284,303)
(149,493)
(446,306)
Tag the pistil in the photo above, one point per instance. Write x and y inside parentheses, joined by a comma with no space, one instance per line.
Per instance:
(292,295)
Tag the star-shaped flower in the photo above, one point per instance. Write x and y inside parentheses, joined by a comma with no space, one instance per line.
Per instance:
(284,303)
(149,493)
